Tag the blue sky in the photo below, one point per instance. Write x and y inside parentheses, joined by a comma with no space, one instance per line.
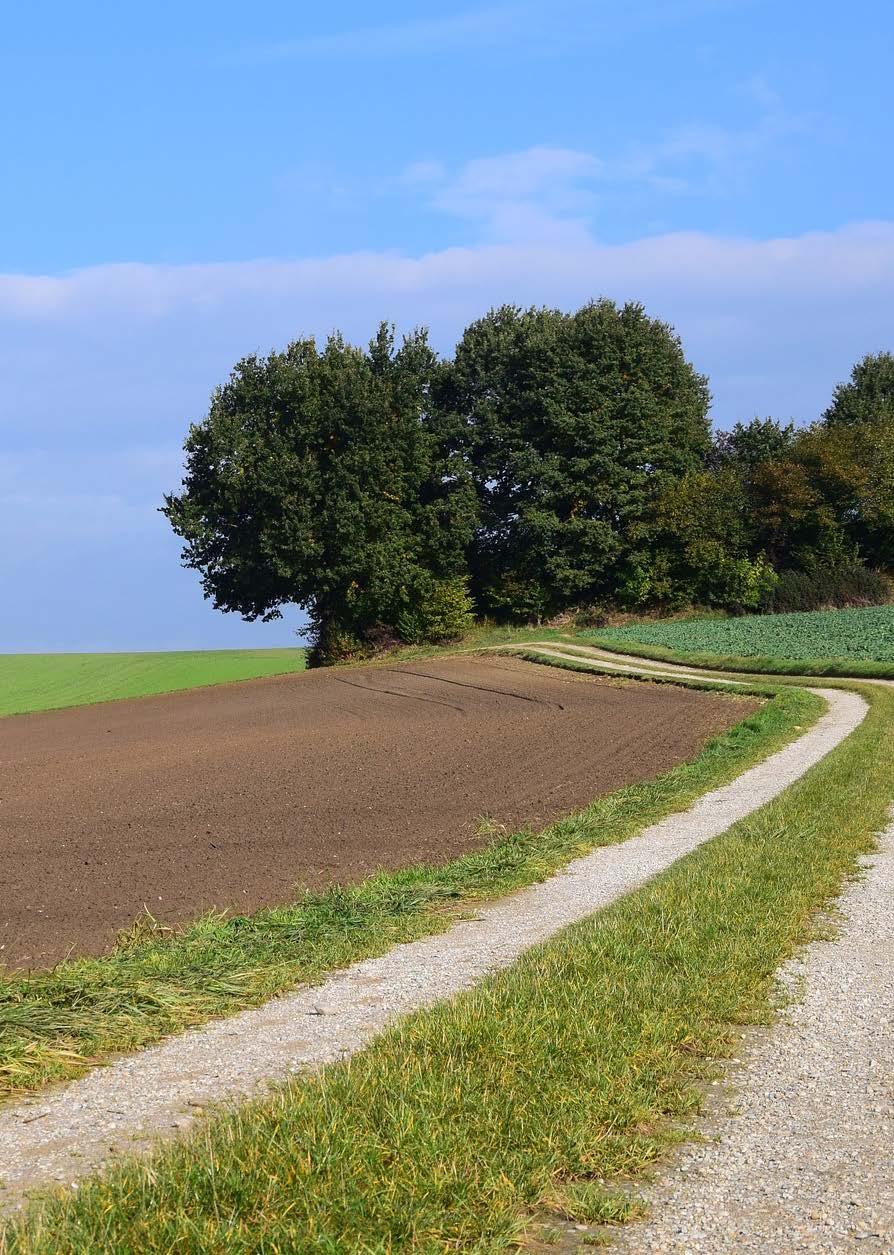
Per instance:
(187,183)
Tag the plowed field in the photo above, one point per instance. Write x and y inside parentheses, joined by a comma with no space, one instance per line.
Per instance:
(236,796)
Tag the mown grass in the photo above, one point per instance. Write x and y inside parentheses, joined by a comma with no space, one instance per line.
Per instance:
(55,1024)
(824,643)
(537,1089)
(32,682)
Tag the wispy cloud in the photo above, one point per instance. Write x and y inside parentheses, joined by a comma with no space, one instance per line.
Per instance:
(543,192)
(534,194)
(544,26)
(706,157)
(471,29)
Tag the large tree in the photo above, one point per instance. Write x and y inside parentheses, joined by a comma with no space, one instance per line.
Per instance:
(317,479)
(572,423)
(868,396)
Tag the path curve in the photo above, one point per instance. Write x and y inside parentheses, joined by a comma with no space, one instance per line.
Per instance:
(68,1133)
(795,1152)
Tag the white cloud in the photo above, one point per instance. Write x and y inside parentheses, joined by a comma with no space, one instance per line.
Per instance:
(548,192)
(143,345)
(537,194)
(708,157)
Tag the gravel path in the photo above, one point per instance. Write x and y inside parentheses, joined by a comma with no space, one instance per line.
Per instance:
(66,1134)
(798,1149)
(805,1162)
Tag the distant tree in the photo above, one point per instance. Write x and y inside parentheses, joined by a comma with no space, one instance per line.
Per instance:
(748,444)
(572,423)
(316,479)
(851,457)
(851,466)
(792,522)
(868,396)
(699,541)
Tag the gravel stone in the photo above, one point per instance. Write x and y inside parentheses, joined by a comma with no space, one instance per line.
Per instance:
(798,1154)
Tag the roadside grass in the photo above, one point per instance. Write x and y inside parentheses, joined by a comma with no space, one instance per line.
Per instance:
(33,682)
(56,1024)
(536,1090)
(846,643)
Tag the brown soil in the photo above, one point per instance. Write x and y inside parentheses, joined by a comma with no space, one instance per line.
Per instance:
(230,797)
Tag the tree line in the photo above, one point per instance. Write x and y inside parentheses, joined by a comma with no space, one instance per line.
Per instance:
(556,462)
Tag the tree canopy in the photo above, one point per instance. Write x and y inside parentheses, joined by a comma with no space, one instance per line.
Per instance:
(316,480)
(571,422)
(557,461)
(868,396)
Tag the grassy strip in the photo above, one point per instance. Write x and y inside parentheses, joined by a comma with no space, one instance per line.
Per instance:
(591,665)
(56,1024)
(527,1092)
(844,668)
(32,682)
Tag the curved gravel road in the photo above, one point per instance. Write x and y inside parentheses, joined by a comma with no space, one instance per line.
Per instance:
(800,1148)
(798,1143)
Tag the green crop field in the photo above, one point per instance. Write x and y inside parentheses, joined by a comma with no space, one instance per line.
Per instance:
(862,635)
(31,682)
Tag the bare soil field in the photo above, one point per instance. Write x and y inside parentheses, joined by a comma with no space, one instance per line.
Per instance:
(238,796)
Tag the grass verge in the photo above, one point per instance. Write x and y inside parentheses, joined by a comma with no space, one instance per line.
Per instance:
(34,682)
(842,668)
(532,1090)
(54,1025)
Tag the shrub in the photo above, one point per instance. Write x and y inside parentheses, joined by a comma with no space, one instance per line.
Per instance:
(442,613)
(828,587)
(334,645)
(511,598)
(755,584)
(590,617)
(704,575)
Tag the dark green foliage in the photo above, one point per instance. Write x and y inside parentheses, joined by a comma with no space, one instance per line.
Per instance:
(698,550)
(790,519)
(868,395)
(747,445)
(560,461)
(572,423)
(851,468)
(316,480)
(851,585)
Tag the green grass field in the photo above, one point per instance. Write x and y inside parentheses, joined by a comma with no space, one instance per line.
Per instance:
(821,642)
(31,682)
